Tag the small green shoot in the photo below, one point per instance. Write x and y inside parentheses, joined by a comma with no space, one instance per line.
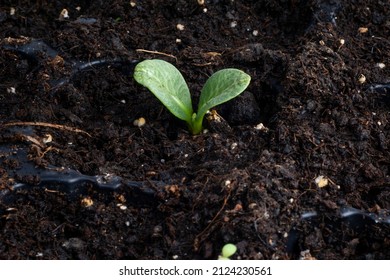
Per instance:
(166,82)
(228,250)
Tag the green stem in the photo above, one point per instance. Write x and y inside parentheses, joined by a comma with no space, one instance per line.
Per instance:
(196,125)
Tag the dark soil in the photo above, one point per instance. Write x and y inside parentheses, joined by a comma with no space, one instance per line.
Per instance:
(103,188)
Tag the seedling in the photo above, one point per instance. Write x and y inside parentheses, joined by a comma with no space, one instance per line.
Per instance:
(166,82)
(228,250)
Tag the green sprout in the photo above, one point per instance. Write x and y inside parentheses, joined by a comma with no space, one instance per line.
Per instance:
(166,82)
(228,250)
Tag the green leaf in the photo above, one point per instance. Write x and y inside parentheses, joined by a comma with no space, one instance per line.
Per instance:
(167,84)
(221,87)
(228,250)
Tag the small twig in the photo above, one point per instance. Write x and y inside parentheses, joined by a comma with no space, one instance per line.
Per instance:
(202,64)
(57,126)
(156,52)
(197,241)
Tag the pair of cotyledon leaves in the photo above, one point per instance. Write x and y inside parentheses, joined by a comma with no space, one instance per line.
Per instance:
(166,82)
